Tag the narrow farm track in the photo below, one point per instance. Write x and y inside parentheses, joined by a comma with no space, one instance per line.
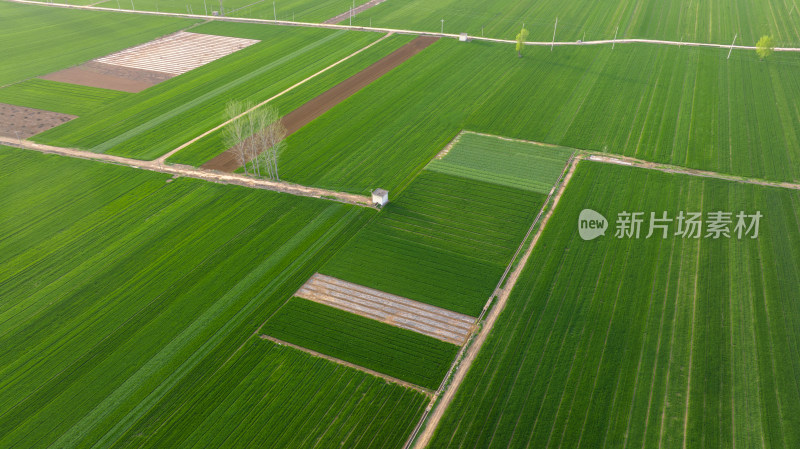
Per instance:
(305,114)
(191,172)
(416,32)
(391,379)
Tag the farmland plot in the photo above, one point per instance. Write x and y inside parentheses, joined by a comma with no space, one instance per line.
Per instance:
(445,241)
(397,352)
(660,342)
(169,114)
(123,291)
(38,40)
(586,98)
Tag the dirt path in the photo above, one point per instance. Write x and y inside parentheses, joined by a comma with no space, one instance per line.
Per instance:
(446,397)
(631,162)
(391,379)
(346,15)
(412,32)
(227,161)
(191,172)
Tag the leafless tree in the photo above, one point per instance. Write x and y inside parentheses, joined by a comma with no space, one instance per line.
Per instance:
(234,134)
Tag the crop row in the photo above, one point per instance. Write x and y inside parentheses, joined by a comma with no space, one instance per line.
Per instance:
(272,396)
(159,119)
(59,97)
(445,241)
(591,98)
(651,343)
(121,288)
(400,353)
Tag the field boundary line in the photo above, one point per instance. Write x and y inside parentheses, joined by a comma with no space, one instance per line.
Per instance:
(162,159)
(420,437)
(320,355)
(196,173)
(414,32)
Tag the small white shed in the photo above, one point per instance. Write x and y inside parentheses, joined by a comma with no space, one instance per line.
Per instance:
(380,197)
(464,37)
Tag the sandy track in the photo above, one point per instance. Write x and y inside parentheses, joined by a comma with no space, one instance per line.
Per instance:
(227,162)
(191,172)
(346,15)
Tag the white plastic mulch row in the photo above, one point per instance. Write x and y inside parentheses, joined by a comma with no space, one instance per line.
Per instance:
(177,53)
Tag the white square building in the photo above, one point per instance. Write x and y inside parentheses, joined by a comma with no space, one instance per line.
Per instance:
(380,197)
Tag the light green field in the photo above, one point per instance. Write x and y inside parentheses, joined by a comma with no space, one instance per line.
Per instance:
(39,40)
(674,20)
(159,119)
(619,343)
(520,165)
(122,289)
(59,97)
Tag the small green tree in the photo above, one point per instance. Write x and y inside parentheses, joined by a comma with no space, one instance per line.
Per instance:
(521,38)
(765,47)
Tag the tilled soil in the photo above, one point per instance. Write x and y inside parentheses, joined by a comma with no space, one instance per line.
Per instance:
(21,122)
(306,113)
(107,76)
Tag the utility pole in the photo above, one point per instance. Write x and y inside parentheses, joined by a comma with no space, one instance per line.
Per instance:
(554,34)
(442,26)
(274,11)
(734,41)
(615,38)
(205,7)
(351,12)
(133,8)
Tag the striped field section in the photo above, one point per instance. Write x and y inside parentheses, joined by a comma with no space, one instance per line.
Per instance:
(177,53)
(435,322)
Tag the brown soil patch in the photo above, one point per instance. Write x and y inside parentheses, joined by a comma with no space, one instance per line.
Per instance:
(107,76)
(346,15)
(308,112)
(21,122)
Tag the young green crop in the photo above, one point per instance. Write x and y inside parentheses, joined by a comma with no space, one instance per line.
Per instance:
(644,342)
(124,290)
(390,350)
(59,97)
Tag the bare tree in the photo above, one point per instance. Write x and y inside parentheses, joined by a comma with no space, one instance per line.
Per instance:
(271,134)
(235,133)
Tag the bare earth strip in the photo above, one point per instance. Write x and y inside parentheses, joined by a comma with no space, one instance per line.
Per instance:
(191,172)
(346,15)
(411,32)
(444,400)
(442,324)
(391,379)
(21,122)
(227,161)
(107,76)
